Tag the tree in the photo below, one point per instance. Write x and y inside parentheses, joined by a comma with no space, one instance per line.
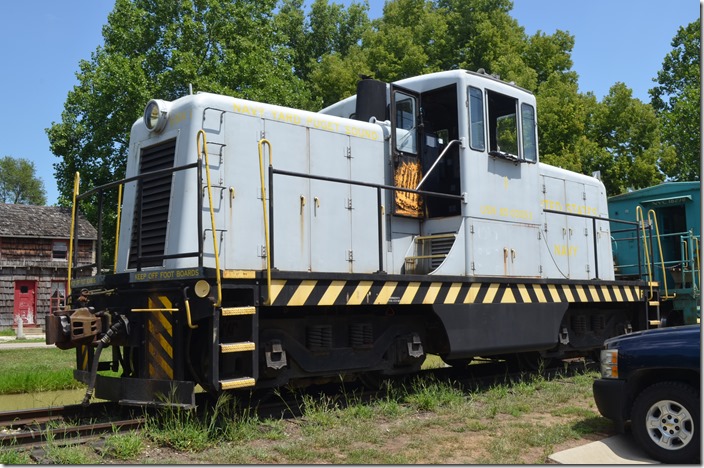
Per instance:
(628,129)
(676,100)
(18,183)
(408,40)
(325,46)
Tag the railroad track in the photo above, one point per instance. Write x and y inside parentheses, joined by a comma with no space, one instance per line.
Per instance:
(34,426)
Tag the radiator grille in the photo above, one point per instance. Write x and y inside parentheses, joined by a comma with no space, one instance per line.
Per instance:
(440,246)
(149,228)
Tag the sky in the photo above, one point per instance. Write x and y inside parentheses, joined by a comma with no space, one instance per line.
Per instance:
(43,41)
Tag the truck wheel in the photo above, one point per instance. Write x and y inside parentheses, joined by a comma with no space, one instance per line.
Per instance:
(665,422)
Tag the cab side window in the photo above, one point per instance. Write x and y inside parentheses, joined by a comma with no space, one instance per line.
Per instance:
(530,146)
(476,119)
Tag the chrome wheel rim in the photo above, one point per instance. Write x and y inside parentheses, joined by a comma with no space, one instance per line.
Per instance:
(669,425)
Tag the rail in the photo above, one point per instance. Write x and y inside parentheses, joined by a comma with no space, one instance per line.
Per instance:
(595,242)
(203,152)
(380,207)
(100,192)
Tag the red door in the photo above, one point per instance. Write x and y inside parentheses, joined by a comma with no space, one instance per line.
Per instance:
(25,302)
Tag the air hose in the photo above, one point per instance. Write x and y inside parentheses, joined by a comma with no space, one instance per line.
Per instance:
(103,342)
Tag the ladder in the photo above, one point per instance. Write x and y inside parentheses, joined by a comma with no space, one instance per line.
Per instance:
(235,357)
(653,306)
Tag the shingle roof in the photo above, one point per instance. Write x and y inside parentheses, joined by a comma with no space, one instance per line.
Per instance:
(41,221)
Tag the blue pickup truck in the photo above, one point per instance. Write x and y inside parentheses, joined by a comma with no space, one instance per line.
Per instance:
(652,378)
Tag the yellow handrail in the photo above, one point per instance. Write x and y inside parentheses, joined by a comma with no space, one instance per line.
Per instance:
(698,264)
(117,228)
(76,185)
(646,252)
(261,144)
(662,259)
(203,149)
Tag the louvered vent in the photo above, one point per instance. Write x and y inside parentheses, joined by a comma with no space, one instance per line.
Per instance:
(440,246)
(151,215)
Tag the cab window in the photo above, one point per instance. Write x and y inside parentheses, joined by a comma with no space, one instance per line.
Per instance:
(503,125)
(476,119)
(406,123)
(530,146)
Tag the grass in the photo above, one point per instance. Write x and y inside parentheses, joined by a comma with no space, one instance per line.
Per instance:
(423,420)
(123,446)
(30,370)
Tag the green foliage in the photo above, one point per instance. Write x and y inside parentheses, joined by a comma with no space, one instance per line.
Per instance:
(311,54)
(429,395)
(123,446)
(628,129)
(36,369)
(12,456)
(676,100)
(19,184)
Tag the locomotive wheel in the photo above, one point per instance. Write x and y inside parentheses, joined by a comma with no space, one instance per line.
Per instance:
(371,380)
(459,363)
(532,361)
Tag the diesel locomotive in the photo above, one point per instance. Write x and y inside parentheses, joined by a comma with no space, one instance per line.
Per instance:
(260,246)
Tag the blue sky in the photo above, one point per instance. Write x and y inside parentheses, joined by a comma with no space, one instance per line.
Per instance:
(42,42)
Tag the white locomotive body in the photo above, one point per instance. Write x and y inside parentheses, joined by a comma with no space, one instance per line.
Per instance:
(261,245)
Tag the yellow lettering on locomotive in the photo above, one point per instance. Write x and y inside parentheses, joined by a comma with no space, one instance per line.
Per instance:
(562,250)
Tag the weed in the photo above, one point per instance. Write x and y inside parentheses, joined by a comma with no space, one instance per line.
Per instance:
(12,456)
(178,428)
(428,394)
(123,446)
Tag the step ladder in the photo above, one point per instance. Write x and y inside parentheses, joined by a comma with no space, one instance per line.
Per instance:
(653,306)
(235,357)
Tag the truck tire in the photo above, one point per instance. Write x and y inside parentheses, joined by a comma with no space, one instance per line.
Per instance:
(665,422)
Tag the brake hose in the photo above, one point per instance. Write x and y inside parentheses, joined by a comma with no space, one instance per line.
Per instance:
(103,342)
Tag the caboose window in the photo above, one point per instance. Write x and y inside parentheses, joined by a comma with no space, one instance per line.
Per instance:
(530,147)
(503,125)
(476,119)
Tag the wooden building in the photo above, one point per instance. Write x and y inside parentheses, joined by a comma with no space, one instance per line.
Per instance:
(34,249)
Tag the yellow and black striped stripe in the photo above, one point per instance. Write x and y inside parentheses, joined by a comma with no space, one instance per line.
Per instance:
(296,292)
(84,355)
(160,336)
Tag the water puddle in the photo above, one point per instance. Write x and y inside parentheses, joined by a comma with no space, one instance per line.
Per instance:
(41,399)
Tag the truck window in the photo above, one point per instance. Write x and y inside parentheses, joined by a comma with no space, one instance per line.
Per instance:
(476,119)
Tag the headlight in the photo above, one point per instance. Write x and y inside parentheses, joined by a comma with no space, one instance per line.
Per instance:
(156,114)
(609,363)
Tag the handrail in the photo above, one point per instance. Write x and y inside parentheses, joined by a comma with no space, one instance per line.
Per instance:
(260,145)
(76,185)
(117,228)
(654,221)
(203,150)
(641,221)
(436,162)
(594,220)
